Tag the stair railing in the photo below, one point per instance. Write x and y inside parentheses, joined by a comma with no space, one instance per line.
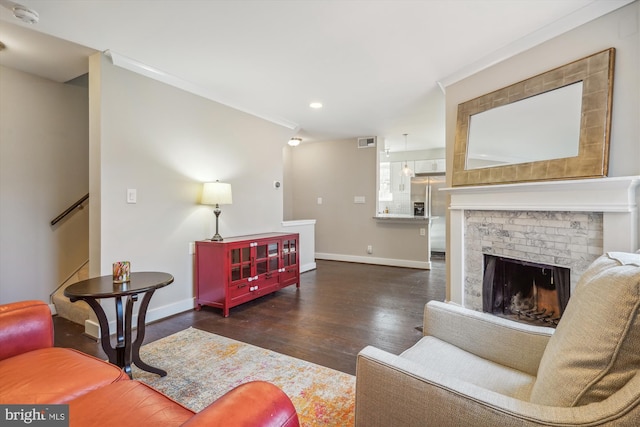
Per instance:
(69,209)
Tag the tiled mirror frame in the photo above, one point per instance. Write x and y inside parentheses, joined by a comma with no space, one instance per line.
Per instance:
(596,73)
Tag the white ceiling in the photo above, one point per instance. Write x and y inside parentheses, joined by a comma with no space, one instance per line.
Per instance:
(373,64)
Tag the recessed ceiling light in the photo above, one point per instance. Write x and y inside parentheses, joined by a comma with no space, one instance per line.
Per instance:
(25,14)
(316,105)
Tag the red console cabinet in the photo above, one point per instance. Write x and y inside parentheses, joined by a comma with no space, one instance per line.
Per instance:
(240,269)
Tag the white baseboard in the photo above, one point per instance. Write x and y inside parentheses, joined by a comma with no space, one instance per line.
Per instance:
(308,267)
(423,265)
(92,328)
(169,310)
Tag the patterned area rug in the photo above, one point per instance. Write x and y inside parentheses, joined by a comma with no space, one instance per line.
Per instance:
(202,366)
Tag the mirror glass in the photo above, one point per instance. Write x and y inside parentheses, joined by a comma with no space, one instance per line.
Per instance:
(511,134)
(555,125)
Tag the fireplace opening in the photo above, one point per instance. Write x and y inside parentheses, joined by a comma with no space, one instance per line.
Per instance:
(525,291)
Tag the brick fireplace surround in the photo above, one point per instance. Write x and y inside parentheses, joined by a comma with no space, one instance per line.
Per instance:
(564,223)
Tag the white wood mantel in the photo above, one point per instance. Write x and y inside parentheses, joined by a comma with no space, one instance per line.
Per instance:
(615,194)
(616,197)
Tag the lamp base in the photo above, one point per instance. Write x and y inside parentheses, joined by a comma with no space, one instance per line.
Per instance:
(217,237)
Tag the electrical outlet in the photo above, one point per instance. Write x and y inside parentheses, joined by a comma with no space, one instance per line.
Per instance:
(369,249)
(423,231)
(319,200)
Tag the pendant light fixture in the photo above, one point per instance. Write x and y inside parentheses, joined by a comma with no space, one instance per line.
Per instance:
(406,171)
(294,142)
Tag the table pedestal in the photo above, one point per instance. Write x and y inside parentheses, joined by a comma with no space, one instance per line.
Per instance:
(124,355)
(126,351)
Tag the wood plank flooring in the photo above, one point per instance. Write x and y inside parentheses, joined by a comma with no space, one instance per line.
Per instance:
(339,309)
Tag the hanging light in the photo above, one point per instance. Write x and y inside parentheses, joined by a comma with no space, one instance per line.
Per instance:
(294,142)
(406,171)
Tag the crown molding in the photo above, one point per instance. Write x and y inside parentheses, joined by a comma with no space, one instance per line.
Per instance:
(153,73)
(581,16)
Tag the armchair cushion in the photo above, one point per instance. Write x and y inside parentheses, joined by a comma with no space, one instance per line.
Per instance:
(126,403)
(53,375)
(450,360)
(520,346)
(595,349)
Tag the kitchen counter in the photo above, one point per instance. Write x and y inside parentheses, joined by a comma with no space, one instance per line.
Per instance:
(403,217)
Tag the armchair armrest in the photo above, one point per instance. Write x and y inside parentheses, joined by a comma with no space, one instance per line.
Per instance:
(391,390)
(513,344)
(24,326)
(255,404)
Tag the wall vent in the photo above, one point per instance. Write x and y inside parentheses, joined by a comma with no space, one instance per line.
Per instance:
(367,141)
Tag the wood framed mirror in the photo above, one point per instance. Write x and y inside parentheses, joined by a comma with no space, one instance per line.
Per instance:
(555,125)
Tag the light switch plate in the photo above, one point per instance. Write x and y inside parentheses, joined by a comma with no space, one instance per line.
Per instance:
(358,199)
(132,195)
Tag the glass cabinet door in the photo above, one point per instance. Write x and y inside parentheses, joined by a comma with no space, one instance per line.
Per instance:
(266,257)
(240,263)
(261,259)
(273,256)
(289,252)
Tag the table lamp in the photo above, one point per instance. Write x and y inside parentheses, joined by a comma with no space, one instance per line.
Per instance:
(216,193)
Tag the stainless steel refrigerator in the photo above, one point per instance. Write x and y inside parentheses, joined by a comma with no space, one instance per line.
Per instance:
(425,189)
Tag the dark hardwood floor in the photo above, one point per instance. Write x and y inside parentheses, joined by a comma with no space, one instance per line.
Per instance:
(339,309)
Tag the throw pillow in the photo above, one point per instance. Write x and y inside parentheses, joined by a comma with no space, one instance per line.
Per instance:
(595,349)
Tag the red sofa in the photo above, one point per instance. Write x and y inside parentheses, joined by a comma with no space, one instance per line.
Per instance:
(98,393)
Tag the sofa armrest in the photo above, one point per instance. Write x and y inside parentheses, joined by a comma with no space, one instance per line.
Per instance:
(255,404)
(24,326)
(514,344)
(394,391)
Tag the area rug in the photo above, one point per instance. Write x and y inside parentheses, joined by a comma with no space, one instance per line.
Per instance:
(202,366)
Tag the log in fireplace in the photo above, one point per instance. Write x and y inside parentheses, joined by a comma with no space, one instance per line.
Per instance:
(525,291)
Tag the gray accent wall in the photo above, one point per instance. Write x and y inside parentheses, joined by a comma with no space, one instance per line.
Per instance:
(618,29)
(338,171)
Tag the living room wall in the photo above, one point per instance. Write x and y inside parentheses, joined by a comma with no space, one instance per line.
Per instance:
(337,171)
(165,142)
(618,29)
(43,170)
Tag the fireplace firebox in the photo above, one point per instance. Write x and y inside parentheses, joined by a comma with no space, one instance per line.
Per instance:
(525,291)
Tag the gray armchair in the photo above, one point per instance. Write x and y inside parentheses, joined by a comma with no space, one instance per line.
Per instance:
(476,369)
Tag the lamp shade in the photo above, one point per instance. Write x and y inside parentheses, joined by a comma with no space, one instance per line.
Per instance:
(216,193)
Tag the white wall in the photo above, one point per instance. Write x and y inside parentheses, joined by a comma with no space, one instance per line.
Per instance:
(618,29)
(43,170)
(165,142)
